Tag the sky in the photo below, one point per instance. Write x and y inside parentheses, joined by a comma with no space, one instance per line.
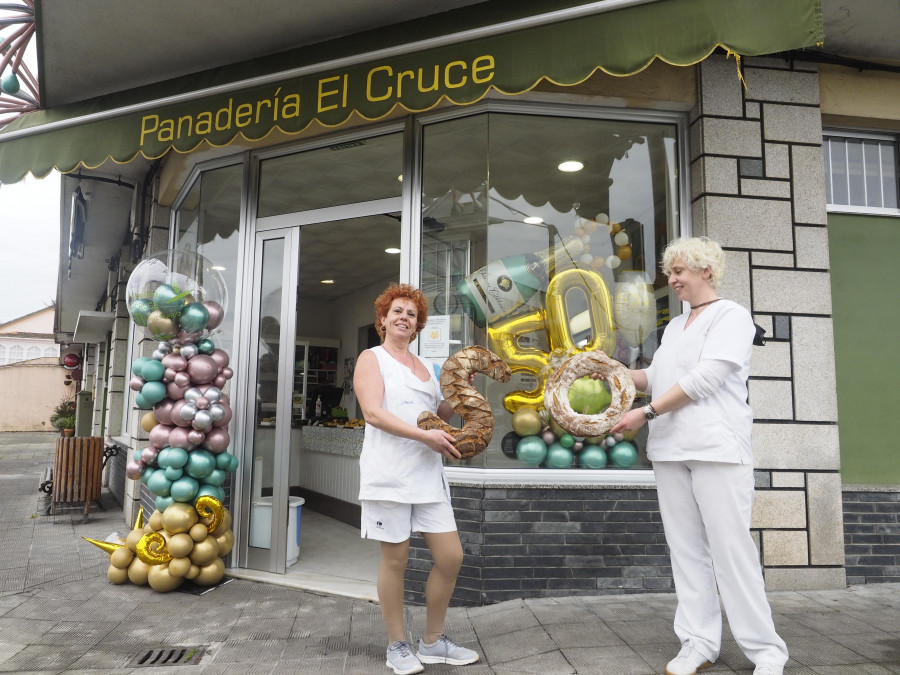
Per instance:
(29,245)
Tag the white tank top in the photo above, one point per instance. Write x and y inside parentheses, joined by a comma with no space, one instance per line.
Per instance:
(394,468)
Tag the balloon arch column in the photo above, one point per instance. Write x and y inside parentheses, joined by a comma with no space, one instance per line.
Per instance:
(179,299)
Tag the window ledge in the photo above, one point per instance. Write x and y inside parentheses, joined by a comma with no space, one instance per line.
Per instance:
(550,478)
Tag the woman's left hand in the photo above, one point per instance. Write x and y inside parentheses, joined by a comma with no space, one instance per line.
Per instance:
(631,421)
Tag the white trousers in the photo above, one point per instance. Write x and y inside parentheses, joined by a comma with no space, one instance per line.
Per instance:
(705,509)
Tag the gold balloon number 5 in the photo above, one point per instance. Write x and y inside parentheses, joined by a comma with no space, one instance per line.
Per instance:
(555,320)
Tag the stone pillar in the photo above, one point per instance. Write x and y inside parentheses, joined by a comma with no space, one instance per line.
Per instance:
(758,188)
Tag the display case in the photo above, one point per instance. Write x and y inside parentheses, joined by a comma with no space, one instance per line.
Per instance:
(315,367)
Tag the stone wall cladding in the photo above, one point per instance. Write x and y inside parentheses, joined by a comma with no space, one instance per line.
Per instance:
(775,217)
(872,536)
(551,542)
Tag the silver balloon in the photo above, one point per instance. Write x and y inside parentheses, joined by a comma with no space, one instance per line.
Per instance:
(158,355)
(192,394)
(213,394)
(164,347)
(202,420)
(188,411)
(216,412)
(189,351)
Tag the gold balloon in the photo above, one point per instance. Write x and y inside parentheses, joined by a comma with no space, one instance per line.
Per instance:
(224,526)
(132,539)
(526,421)
(199,532)
(210,510)
(205,551)
(117,575)
(151,549)
(138,571)
(155,521)
(180,545)
(635,307)
(161,580)
(226,542)
(211,574)
(593,288)
(504,336)
(139,520)
(148,421)
(192,573)
(121,558)
(179,567)
(179,517)
(160,326)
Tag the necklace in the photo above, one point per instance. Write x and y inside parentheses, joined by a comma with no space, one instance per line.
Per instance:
(704,304)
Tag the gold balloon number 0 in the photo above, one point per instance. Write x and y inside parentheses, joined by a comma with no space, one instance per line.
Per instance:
(555,320)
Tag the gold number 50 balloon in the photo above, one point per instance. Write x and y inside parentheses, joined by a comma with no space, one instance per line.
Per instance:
(555,320)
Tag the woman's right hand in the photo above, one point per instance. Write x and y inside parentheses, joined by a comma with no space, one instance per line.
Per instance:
(440,442)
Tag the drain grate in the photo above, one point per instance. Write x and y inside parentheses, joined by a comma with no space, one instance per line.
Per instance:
(168,656)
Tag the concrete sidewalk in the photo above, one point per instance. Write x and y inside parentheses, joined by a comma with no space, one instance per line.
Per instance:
(59,614)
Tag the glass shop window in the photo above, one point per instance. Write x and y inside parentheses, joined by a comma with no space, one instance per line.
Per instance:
(861,173)
(541,236)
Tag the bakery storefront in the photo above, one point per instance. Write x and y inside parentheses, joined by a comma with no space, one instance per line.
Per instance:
(528,182)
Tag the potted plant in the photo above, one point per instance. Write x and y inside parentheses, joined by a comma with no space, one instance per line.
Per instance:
(63,417)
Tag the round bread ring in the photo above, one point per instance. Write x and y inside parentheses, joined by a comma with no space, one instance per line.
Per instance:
(556,393)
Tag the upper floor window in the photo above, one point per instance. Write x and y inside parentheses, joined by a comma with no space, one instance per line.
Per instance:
(861,172)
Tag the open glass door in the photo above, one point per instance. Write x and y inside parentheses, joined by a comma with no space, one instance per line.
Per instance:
(267,516)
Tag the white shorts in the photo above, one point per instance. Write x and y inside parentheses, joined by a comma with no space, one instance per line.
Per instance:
(394,522)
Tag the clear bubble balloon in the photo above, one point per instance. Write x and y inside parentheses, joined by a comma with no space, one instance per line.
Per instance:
(176,290)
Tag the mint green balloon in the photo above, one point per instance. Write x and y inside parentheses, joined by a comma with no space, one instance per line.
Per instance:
(168,300)
(194,317)
(185,489)
(140,311)
(152,392)
(137,366)
(623,455)
(559,457)
(162,503)
(216,478)
(531,450)
(200,464)
(159,485)
(153,370)
(592,457)
(177,457)
(172,473)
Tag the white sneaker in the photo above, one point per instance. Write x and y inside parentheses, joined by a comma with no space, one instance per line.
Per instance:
(688,661)
(400,657)
(768,669)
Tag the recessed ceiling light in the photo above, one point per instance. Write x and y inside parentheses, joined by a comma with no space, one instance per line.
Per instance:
(571,165)
(327,281)
(533,220)
(392,250)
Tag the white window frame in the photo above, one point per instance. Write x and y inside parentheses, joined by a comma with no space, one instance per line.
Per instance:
(869,136)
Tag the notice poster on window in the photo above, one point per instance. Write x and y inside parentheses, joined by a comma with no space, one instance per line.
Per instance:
(434,340)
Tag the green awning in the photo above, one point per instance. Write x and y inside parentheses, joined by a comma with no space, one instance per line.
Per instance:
(327,83)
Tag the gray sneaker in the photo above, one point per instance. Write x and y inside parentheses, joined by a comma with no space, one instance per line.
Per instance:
(446,650)
(401,658)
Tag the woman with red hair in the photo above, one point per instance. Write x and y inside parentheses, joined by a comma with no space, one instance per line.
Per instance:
(402,484)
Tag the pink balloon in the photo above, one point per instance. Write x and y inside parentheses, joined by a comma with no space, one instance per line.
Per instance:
(169,374)
(216,314)
(174,361)
(179,439)
(228,373)
(217,440)
(224,400)
(162,411)
(220,356)
(136,383)
(176,414)
(220,381)
(182,379)
(134,469)
(148,455)
(225,420)
(202,403)
(175,391)
(159,435)
(202,369)
(196,437)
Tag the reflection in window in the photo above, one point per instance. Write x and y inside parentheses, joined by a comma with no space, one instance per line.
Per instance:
(861,171)
(513,245)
